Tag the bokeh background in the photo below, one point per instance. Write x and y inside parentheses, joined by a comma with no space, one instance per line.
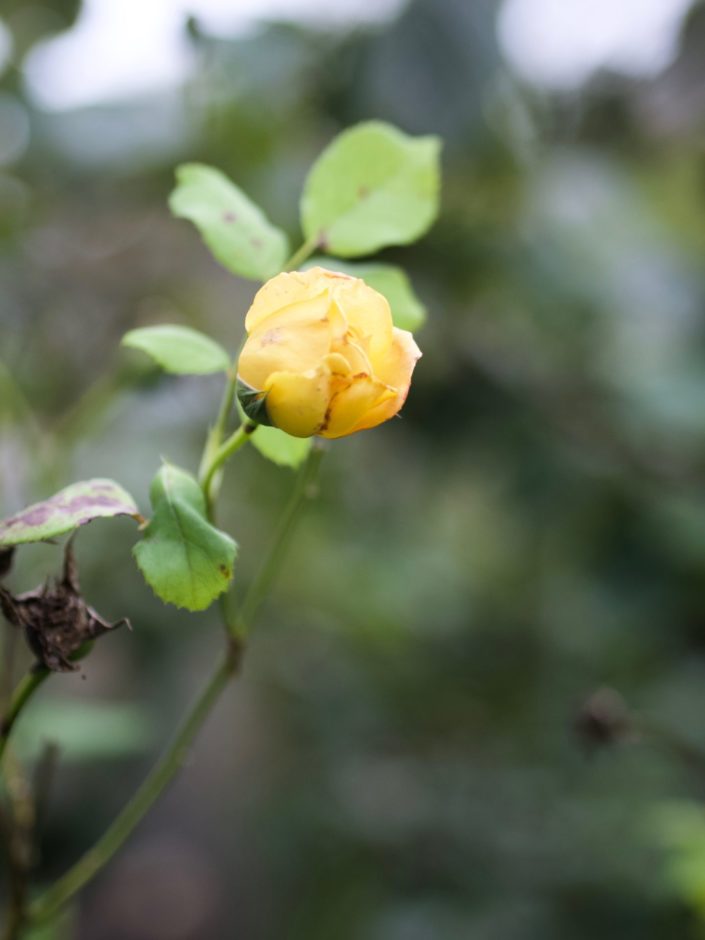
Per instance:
(409,754)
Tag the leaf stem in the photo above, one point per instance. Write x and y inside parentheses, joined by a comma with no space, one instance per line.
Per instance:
(22,694)
(217,432)
(305,489)
(302,254)
(48,905)
(218,458)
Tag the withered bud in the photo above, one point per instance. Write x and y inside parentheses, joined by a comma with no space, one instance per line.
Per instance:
(604,719)
(55,618)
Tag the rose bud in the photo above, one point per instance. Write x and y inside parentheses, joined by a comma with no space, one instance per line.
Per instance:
(323,356)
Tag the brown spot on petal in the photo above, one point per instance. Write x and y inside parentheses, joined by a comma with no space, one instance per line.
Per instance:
(270,338)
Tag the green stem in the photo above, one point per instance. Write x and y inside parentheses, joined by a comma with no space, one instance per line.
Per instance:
(302,254)
(218,458)
(239,625)
(48,905)
(217,432)
(22,694)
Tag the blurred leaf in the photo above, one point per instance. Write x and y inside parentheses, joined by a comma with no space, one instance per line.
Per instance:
(184,559)
(373,186)
(408,312)
(280,447)
(61,928)
(98,731)
(179,349)
(67,510)
(680,827)
(234,228)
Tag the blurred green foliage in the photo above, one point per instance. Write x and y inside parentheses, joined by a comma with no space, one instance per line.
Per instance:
(399,760)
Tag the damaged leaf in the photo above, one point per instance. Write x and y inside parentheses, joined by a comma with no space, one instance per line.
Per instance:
(55,618)
(67,510)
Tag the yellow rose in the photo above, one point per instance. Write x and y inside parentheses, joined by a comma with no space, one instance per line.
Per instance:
(322,356)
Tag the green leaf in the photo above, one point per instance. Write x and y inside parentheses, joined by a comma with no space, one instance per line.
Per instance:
(185,560)
(179,349)
(234,228)
(373,186)
(408,312)
(281,448)
(67,510)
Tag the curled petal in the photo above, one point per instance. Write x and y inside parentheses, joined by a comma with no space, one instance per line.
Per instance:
(367,310)
(396,371)
(297,402)
(350,405)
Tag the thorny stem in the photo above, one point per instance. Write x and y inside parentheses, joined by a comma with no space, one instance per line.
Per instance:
(22,694)
(48,905)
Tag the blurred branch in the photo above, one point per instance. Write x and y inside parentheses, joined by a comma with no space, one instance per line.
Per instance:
(305,489)
(48,905)
(18,831)
(605,719)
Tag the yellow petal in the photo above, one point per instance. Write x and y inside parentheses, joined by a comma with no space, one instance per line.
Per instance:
(338,364)
(350,405)
(366,311)
(280,292)
(297,403)
(394,369)
(294,340)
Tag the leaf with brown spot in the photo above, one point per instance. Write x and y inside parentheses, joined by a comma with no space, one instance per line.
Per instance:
(236,230)
(67,510)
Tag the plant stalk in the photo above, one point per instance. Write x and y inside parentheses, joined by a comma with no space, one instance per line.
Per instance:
(302,254)
(22,694)
(218,458)
(239,625)
(48,905)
